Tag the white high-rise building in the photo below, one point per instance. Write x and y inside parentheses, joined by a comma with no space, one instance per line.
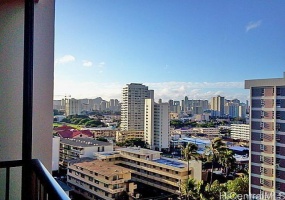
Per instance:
(72,107)
(132,107)
(156,126)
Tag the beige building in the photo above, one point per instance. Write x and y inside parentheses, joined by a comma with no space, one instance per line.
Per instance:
(150,168)
(173,115)
(207,132)
(132,107)
(100,180)
(122,136)
(218,106)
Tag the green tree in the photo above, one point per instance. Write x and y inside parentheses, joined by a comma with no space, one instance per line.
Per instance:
(190,189)
(227,160)
(238,186)
(189,153)
(214,152)
(213,191)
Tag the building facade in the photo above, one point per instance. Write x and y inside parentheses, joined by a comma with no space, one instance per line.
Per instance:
(81,147)
(267,136)
(150,168)
(157,125)
(218,106)
(99,180)
(240,131)
(132,107)
(122,136)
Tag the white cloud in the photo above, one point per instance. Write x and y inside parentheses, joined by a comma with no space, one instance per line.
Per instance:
(87,63)
(65,59)
(101,64)
(163,90)
(252,25)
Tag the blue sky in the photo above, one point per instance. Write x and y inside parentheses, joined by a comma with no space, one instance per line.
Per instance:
(196,48)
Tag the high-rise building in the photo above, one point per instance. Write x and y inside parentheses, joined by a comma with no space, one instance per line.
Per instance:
(171,105)
(218,106)
(132,107)
(72,107)
(156,128)
(267,137)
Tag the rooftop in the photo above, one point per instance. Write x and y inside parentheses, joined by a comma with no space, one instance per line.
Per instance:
(138,150)
(103,168)
(170,162)
(83,142)
(196,140)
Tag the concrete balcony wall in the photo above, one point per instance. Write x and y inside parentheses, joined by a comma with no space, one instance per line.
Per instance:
(11,86)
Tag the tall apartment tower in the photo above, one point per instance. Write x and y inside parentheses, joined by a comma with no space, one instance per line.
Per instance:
(267,136)
(218,105)
(132,107)
(72,107)
(157,126)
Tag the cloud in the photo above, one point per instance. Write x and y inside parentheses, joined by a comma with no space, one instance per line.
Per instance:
(101,64)
(65,59)
(252,25)
(163,90)
(87,63)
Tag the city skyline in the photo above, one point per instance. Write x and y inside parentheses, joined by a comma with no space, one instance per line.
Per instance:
(190,48)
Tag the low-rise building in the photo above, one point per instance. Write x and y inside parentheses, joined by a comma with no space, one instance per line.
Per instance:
(102,131)
(122,136)
(240,131)
(81,147)
(100,180)
(150,168)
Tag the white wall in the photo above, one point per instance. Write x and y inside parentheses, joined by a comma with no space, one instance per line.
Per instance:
(11,84)
(55,153)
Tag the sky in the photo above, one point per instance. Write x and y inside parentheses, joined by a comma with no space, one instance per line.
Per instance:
(178,48)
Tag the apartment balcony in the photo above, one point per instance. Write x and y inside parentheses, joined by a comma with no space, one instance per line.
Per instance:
(40,183)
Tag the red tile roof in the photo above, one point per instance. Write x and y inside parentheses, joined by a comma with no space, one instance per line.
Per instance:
(74,133)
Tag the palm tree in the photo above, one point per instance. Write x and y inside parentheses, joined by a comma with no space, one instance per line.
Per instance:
(190,189)
(189,153)
(214,152)
(227,160)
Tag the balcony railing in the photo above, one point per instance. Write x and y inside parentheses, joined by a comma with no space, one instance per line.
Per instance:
(42,185)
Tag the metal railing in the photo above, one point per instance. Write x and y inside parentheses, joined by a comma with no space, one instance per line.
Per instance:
(41,186)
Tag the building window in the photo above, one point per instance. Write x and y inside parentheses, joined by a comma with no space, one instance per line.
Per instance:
(261,159)
(90,178)
(262,147)
(261,136)
(261,181)
(82,175)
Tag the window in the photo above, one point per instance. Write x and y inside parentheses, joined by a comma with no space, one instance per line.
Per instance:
(261,136)
(262,147)
(261,158)
(261,181)
(82,175)
(90,178)
(278,149)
